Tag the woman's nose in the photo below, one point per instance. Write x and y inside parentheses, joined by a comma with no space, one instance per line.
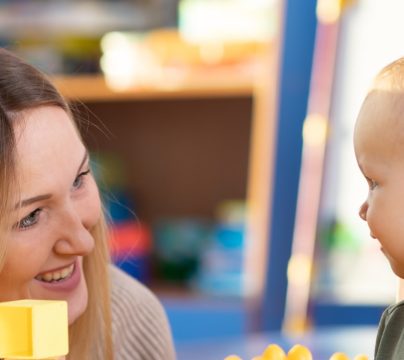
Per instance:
(73,236)
(363,210)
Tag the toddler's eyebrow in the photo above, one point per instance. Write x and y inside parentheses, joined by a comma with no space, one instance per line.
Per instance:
(34,199)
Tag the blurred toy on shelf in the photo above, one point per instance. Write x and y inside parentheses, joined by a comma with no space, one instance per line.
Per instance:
(178,245)
(130,239)
(297,352)
(131,246)
(164,58)
(108,170)
(64,36)
(221,270)
(65,54)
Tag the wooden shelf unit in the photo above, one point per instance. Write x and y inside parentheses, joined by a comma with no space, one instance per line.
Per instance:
(95,88)
(185,149)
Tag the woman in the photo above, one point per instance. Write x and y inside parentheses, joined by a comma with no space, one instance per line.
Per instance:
(53,233)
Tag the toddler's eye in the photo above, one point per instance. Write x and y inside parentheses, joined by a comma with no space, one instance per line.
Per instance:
(30,220)
(79,180)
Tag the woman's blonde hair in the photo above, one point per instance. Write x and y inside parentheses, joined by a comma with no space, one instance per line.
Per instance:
(22,87)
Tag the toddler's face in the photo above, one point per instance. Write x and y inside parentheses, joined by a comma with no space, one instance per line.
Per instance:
(379,149)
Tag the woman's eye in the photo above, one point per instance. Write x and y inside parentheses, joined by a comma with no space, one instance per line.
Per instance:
(79,180)
(29,220)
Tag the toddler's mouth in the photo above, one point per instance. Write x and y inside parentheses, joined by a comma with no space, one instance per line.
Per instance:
(56,275)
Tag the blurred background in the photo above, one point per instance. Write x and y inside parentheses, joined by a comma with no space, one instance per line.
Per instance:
(221,137)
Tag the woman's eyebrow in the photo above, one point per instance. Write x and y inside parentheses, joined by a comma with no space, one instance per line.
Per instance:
(37,198)
(34,199)
(85,158)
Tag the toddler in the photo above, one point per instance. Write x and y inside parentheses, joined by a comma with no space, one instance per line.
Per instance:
(379,149)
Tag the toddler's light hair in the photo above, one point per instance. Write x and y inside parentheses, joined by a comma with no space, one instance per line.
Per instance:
(391,77)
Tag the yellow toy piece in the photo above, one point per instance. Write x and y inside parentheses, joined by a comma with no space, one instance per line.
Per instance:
(339,356)
(273,352)
(232,357)
(299,352)
(33,329)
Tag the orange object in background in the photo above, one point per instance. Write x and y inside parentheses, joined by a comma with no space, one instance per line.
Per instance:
(172,50)
(164,58)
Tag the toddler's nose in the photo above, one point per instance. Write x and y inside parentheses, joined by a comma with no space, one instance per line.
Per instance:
(363,210)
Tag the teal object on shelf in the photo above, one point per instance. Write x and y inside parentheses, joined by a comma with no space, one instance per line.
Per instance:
(178,247)
(221,271)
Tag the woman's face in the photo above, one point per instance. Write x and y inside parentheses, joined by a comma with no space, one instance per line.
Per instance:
(59,205)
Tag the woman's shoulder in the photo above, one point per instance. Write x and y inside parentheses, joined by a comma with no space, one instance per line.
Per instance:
(125,287)
(139,321)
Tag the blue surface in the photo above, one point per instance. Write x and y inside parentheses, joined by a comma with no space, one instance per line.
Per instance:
(198,319)
(322,342)
(296,63)
(327,314)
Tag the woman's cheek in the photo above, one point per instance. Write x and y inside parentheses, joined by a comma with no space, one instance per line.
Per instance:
(15,278)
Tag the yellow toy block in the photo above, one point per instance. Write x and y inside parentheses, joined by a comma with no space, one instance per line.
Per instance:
(273,352)
(33,329)
(339,356)
(297,352)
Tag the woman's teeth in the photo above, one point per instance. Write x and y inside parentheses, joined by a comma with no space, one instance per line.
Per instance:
(56,275)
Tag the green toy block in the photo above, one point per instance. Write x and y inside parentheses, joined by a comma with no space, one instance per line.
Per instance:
(33,329)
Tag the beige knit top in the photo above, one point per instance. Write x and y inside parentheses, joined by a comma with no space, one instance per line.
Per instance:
(140,327)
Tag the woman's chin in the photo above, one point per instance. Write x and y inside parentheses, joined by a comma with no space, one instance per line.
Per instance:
(77,302)
(76,308)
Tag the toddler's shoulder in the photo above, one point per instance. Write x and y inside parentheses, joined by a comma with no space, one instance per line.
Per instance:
(390,336)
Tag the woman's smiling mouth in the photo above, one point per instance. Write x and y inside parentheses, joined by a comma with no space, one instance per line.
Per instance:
(63,279)
(56,275)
